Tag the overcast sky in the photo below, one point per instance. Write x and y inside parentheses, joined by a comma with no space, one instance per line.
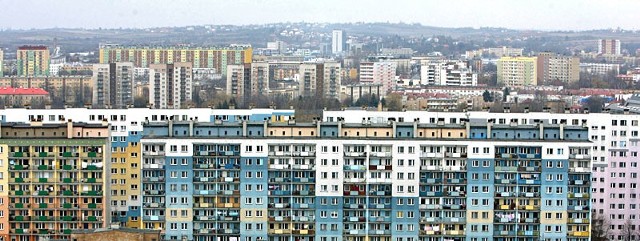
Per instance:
(515,14)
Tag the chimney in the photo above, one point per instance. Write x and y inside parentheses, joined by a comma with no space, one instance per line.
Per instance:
(541,126)
(394,128)
(170,126)
(105,122)
(561,130)
(340,122)
(489,125)
(69,129)
(244,128)
(318,126)
(567,110)
(526,109)
(265,127)
(586,110)
(415,127)
(191,122)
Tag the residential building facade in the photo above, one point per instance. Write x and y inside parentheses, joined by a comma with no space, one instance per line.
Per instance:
(33,61)
(447,73)
(55,179)
(517,71)
(380,73)
(357,181)
(112,85)
(201,57)
(170,85)
(320,79)
(609,46)
(554,67)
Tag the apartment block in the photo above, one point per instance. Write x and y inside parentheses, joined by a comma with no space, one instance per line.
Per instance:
(609,46)
(239,82)
(112,85)
(170,85)
(125,134)
(260,78)
(55,179)
(33,61)
(447,73)
(201,57)
(381,73)
(554,67)
(320,80)
(517,71)
(357,181)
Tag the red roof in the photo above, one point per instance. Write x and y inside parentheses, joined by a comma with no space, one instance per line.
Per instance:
(22,91)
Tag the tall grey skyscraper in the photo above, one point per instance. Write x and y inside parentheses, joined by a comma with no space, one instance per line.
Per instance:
(338,41)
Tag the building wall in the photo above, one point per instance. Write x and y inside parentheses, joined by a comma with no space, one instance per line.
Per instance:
(384,187)
(517,71)
(217,58)
(33,61)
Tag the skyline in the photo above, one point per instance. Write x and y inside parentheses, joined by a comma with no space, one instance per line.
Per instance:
(536,15)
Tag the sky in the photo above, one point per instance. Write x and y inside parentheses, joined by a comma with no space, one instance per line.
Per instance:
(513,14)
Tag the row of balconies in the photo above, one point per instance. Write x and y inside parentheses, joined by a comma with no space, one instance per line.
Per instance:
(54,219)
(216,179)
(223,218)
(513,207)
(216,153)
(20,231)
(518,155)
(291,232)
(54,180)
(227,231)
(52,154)
(47,193)
(442,220)
(514,233)
(516,220)
(50,168)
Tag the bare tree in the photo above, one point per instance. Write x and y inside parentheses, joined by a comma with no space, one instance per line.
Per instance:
(600,227)
(629,231)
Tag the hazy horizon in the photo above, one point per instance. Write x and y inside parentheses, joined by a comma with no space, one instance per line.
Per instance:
(522,15)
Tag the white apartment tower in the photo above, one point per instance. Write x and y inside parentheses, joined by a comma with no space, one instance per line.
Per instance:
(113,85)
(170,85)
(447,73)
(338,41)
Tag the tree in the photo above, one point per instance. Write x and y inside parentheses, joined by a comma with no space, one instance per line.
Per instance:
(628,231)
(394,102)
(595,103)
(505,93)
(600,227)
(487,96)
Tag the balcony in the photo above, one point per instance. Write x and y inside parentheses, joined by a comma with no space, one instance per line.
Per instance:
(578,195)
(429,232)
(504,220)
(354,168)
(379,206)
(454,168)
(529,207)
(579,221)
(153,153)
(529,194)
(580,169)
(354,232)
(429,206)
(529,233)
(454,232)
(580,156)
(578,208)
(354,180)
(380,167)
(153,166)
(355,154)
(529,220)
(579,182)
(380,219)
(504,233)
(454,181)
(381,154)
(454,220)
(506,169)
(455,155)
(153,179)
(529,169)
(379,232)
(430,168)
(579,234)
(528,182)
(431,155)
(353,206)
